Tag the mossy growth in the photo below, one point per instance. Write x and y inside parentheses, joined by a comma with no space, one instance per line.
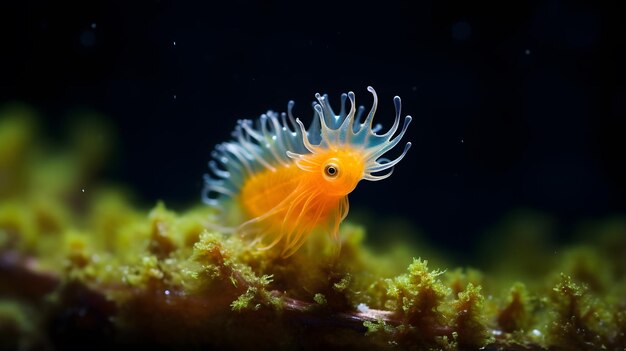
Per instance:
(578,320)
(82,265)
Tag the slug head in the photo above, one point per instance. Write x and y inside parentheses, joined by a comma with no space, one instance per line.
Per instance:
(335,171)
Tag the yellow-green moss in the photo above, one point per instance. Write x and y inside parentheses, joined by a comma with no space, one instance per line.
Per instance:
(515,314)
(18,326)
(578,320)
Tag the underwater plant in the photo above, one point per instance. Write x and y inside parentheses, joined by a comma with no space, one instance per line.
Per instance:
(290,181)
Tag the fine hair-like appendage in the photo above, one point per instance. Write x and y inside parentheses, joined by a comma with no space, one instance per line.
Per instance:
(346,129)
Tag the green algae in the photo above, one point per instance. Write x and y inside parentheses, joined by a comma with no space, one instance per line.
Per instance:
(81,264)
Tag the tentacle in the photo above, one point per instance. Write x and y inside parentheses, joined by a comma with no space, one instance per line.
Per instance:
(389,164)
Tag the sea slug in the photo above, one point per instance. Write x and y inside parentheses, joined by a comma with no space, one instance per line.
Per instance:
(288,181)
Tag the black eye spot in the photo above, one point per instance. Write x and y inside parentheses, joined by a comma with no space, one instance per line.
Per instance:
(331,170)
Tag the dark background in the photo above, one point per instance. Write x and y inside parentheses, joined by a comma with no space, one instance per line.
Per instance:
(515,105)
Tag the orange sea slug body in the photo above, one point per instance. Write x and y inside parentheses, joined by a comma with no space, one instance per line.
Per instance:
(289,181)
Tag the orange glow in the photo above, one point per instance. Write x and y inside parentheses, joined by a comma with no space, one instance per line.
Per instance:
(290,202)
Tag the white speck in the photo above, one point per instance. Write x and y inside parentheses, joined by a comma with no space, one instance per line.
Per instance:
(496,332)
(167,292)
(174,42)
(93,25)
(174,96)
(536,332)
(462,141)
(83,190)
(363,308)
(527,52)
